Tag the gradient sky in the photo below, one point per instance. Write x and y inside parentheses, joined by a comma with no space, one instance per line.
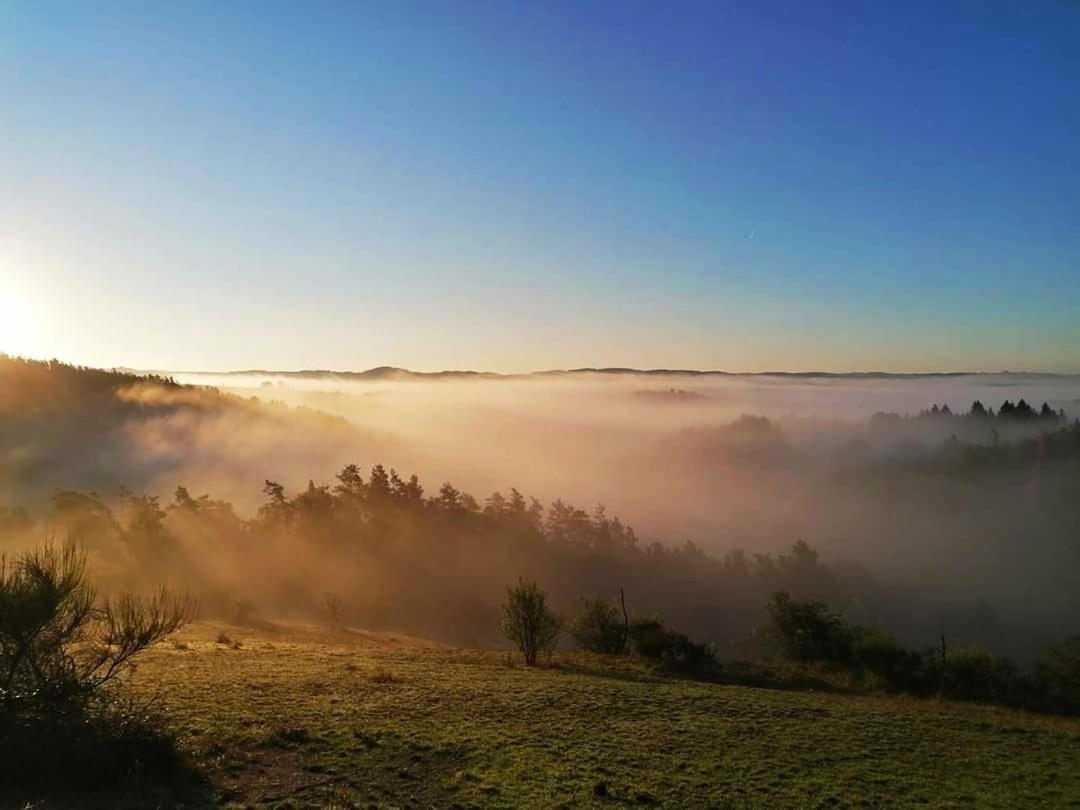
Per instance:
(509,186)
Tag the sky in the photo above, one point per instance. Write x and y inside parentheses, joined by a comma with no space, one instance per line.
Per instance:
(519,186)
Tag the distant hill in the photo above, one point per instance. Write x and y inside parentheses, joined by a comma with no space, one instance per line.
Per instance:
(69,426)
(396,374)
(378,374)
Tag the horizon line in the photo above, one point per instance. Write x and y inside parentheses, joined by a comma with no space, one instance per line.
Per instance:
(386,370)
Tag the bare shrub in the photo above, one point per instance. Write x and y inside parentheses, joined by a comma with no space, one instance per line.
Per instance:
(528,623)
(333,606)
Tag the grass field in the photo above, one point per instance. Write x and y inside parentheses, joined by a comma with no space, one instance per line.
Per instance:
(302,717)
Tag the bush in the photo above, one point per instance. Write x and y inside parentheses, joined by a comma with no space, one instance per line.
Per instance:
(808,631)
(649,637)
(673,650)
(601,627)
(333,607)
(245,613)
(874,650)
(972,673)
(1059,675)
(105,743)
(57,643)
(62,653)
(528,623)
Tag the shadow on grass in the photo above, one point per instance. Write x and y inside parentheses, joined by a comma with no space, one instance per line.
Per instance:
(780,677)
(118,758)
(758,675)
(602,669)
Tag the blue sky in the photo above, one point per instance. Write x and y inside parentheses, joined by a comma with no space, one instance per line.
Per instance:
(510,186)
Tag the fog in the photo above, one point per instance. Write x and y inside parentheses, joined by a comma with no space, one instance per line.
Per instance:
(919,518)
(670,456)
(644,446)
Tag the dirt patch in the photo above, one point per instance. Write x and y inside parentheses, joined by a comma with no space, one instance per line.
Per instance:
(385,771)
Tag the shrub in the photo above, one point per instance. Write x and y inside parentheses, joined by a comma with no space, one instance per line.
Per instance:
(57,643)
(104,744)
(1059,675)
(382,675)
(808,631)
(285,736)
(332,609)
(874,650)
(245,613)
(671,649)
(648,636)
(528,623)
(601,627)
(972,673)
(62,652)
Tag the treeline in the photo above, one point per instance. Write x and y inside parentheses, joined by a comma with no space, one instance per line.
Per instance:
(378,551)
(97,429)
(396,557)
(981,440)
(1021,411)
(38,387)
(1053,451)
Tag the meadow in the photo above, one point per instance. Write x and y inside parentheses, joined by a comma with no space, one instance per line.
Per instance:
(295,716)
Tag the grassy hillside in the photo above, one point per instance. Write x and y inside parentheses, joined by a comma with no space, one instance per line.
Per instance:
(302,717)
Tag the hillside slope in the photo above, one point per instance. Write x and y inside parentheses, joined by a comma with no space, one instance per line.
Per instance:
(301,717)
(70,427)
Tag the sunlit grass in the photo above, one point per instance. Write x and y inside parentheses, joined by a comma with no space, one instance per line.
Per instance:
(309,718)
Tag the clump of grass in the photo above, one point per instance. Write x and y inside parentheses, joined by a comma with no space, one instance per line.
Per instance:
(366,739)
(383,675)
(285,736)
